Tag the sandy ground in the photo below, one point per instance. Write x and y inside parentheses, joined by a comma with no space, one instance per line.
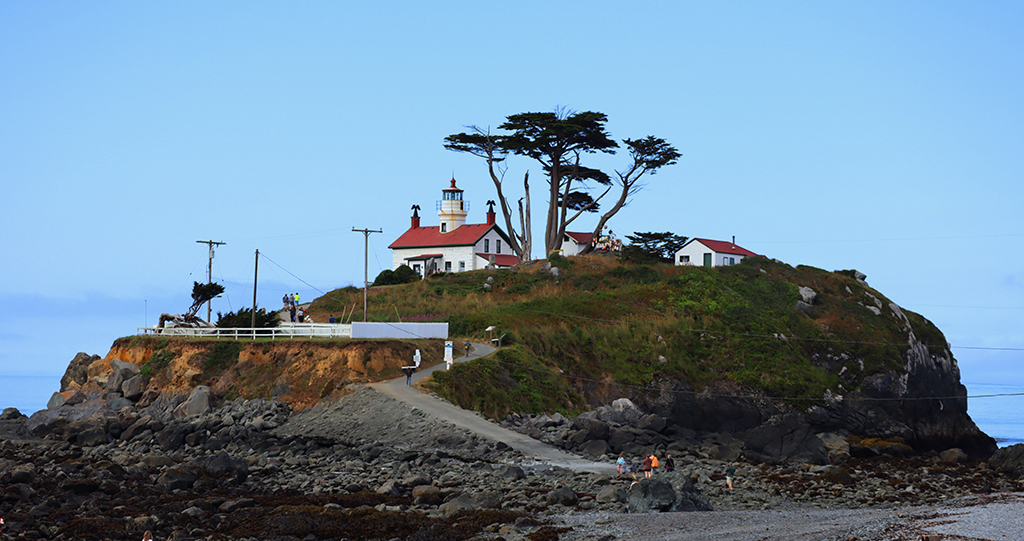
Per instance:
(990,517)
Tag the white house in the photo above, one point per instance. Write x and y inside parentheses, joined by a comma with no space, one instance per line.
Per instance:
(575,243)
(454,245)
(711,253)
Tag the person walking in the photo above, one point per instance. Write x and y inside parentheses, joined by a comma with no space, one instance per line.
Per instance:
(467,349)
(408,374)
(670,465)
(286,301)
(730,472)
(647,466)
(654,463)
(620,464)
(295,299)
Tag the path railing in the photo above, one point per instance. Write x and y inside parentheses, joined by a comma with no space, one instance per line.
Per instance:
(283,332)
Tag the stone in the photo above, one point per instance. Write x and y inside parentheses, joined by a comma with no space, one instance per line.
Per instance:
(176,477)
(953,456)
(133,387)
(804,307)
(198,402)
(118,364)
(1008,460)
(464,502)
(116,378)
(666,492)
(77,372)
(426,494)
(595,448)
(562,496)
(785,438)
(11,414)
(807,294)
(611,494)
(222,466)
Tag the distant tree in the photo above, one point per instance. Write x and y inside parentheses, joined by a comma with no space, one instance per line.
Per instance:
(650,247)
(201,293)
(558,141)
(243,319)
(648,155)
(482,144)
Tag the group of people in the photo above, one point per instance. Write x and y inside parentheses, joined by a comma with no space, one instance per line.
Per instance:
(291,303)
(651,464)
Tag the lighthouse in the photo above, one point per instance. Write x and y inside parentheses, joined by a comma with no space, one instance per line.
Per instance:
(451,209)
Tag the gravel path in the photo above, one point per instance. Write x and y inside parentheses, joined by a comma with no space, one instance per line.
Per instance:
(482,427)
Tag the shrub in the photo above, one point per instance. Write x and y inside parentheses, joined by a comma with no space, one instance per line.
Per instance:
(243,319)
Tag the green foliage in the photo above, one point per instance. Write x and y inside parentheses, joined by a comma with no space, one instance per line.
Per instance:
(402,275)
(651,247)
(160,359)
(557,260)
(510,380)
(201,293)
(243,319)
(221,356)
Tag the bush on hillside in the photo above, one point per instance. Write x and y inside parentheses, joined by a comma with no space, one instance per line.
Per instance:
(243,319)
(402,275)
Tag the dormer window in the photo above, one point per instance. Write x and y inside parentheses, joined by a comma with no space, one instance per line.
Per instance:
(444,228)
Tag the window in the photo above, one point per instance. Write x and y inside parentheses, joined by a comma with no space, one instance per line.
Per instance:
(444,227)
(732,260)
(462,266)
(497,246)
(416,269)
(447,266)
(487,245)
(684,259)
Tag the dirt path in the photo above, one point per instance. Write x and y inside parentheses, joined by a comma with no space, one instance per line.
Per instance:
(470,420)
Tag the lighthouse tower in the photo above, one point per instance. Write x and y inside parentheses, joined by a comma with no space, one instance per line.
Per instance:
(451,209)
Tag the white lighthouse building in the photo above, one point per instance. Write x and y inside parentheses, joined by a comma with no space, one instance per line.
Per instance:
(453,245)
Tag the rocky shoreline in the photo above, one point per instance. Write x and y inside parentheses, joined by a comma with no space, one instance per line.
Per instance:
(369,467)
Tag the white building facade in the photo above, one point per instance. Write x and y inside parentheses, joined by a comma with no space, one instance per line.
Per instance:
(711,253)
(452,246)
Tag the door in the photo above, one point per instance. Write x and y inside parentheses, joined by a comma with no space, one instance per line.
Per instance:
(707,260)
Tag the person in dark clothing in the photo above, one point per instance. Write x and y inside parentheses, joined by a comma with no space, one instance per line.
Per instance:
(670,465)
(408,374)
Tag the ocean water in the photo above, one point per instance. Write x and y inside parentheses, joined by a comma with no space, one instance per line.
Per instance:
(996,410)
(27,393)
(992,406)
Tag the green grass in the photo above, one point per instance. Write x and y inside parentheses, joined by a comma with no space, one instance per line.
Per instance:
(598,324)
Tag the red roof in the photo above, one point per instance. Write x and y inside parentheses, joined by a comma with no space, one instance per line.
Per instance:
(581,238)
(424,256)
(501,260)
(723,247)
(429,237)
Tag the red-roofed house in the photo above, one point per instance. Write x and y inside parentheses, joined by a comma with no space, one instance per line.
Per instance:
(574,243)
(454,245)
(711,253)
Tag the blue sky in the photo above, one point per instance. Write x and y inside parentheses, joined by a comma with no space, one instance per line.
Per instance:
(881,136)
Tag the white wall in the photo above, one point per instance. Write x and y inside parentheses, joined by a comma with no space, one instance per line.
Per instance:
(399,330)
(696,251)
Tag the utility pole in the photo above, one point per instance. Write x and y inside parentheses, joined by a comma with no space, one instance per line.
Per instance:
(209,270)
(366,243)
(255,278)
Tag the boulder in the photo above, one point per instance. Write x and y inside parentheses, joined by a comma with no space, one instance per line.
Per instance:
(807,294)
(116,378)
(837,446)
(222,466)
(464,502)
(562,496)
(118,364)
(176,477)
(426,494)
(785,438)
(953,456)
(12,414)
(133,387)
(198,402)
(595,448)
(1008,460)
(611,494)
(667,492)
(652,423)
(77,373)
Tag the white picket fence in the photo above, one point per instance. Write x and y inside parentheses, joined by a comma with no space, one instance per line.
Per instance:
(283,332)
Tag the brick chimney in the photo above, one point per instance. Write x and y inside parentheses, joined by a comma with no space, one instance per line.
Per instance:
(490,213)
(415,216)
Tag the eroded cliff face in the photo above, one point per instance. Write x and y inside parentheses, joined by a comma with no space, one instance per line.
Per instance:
(299,372)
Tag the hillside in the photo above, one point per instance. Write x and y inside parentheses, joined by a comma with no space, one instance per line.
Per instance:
(716,349)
